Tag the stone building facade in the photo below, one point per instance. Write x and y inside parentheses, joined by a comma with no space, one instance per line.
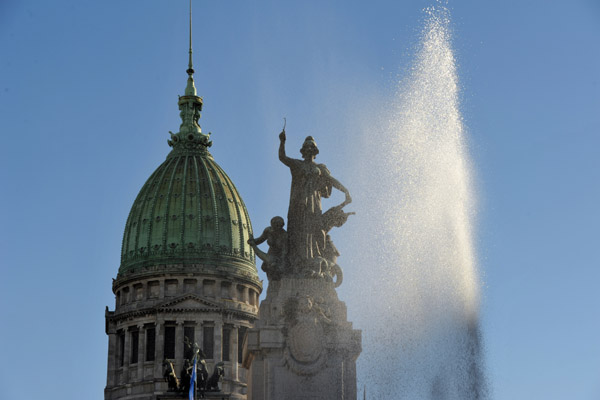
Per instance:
(187,273)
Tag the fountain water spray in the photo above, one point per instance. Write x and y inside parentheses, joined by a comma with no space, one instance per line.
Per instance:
(420,322)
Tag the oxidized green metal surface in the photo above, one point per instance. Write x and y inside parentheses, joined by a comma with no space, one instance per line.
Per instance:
(189,211)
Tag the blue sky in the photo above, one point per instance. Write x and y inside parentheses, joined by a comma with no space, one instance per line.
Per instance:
(89,92)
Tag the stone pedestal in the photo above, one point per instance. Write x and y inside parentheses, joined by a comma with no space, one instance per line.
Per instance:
(303,346)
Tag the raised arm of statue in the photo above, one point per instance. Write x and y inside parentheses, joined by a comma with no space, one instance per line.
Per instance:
(282,157)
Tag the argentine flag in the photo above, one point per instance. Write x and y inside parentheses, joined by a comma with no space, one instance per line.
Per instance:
(193,381)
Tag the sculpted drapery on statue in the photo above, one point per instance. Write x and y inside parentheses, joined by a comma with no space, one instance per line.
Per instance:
(306,226)
(305,249)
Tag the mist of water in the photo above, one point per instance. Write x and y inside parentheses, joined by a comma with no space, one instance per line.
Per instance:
(419,316)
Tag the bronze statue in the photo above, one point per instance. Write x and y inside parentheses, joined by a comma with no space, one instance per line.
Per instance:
(277,239)
(186,376)
(310,182)
(212,385)
(170,375)
(201,375)
(201,369)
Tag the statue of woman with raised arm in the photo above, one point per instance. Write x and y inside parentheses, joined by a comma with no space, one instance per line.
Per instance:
(310,182)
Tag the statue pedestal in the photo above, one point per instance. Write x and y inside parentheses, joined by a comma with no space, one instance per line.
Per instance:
(303,346)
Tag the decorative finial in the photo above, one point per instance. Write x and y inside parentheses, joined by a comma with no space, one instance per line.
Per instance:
(190,89)
(190,136)
(190,69)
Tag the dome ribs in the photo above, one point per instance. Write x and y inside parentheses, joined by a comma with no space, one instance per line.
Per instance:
(139,206)
(213,198)
(225,241)
(167,205)
(155,200)
(161,231)
(183,203)
(248,223)
(236,199)
(126,246)
(198,203)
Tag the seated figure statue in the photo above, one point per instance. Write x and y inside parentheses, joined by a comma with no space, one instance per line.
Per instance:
(276,238)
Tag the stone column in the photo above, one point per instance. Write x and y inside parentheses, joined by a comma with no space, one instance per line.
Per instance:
(198,335)
(159,347)
(126,354)
(161,289)
(112,359)
(218,356)
(141,353)
(234,355)
(178,345)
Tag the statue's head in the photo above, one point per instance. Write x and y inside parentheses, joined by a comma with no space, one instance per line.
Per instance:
(277,222)
(309,148)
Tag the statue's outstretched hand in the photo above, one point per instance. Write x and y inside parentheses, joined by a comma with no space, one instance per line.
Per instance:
(282,136)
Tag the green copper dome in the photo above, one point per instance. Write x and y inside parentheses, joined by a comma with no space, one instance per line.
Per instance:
(189,212)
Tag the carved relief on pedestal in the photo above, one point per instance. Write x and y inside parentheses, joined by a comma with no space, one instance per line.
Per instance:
(305,353)
(305,350)
(304,341)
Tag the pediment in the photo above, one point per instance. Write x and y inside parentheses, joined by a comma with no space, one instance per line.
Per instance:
(189,301)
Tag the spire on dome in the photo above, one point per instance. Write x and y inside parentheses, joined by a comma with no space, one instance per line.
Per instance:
(190,89)
(190,136)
